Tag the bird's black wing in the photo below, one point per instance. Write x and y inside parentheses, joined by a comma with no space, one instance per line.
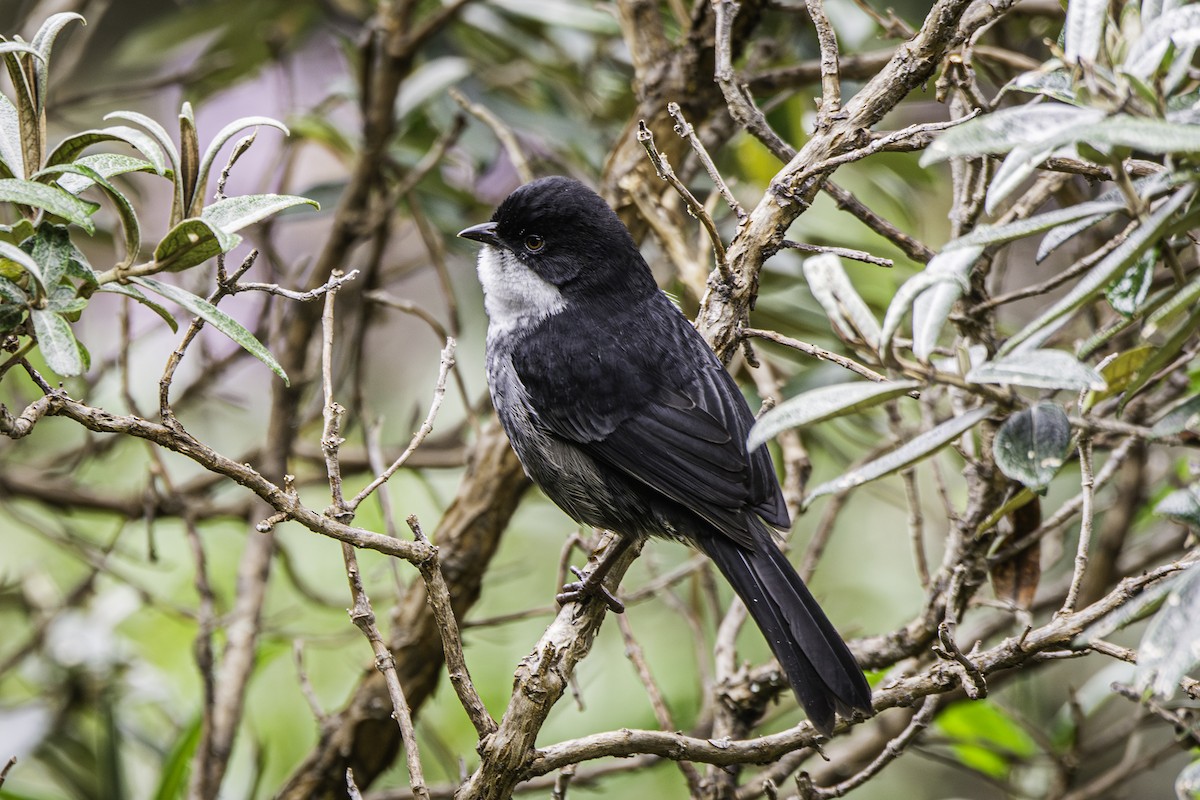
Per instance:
(665,412)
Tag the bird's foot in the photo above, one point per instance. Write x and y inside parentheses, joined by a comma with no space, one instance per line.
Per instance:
(587,587)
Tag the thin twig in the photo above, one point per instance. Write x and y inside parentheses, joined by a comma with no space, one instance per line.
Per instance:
(505,134)
(1087,494)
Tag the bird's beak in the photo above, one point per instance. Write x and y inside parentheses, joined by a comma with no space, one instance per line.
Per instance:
(484,232)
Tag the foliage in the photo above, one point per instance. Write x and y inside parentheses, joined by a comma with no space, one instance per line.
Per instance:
(1021,400)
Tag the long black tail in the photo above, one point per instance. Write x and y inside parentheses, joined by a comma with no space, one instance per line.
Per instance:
(819,666)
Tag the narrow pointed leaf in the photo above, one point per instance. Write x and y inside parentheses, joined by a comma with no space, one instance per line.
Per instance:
(1179,26)
(845,308)
(1122,257)
(223,136)
(1119,372)
(907,454)
(997,234)
(43,43)
(50,198)
(1183,416)
(1084,30)
(1170,311)
(217,318)
(1031,446)
(19,256)
(1170,648)
(10,138)
(1182,505)
(108,165)
(68,149)
(1016,168)
(1001,131)
(189,167)
(57,343)
(948,266)
(1163,355)
(191,242)
(235,213)
(827,402)
(1041,369)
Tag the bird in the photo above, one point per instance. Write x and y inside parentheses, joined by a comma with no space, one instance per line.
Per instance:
(626,419)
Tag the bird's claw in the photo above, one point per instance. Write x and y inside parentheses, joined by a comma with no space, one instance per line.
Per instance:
(586,588)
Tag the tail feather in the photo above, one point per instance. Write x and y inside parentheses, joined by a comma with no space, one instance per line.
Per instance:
(820,668)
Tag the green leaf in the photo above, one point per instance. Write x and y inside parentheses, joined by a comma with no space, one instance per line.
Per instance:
(128,217)
(1183,416)
(11,155)
(997,234)
(1084,30)
(137,294)
(214,148)
(1127,293)
(57,342)
(1041,369)
(235,213)
(1118,372)
(69,149)
(1001,131)
(904,456)
(1052,80)
(18,256)
(948,266)
(831,287)
(1182,505)
(50,198)
(193,241)
(1169,648)
(827,402)
(1179,27)
(43,43)
(985,738)
(1163,355)
(173,776)
(52,249)
(1031,446)
(107,165)
(11,293)
(1181,301)
(1144,236)
(217,318)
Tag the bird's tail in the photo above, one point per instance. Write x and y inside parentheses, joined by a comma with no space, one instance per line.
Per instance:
(819,666)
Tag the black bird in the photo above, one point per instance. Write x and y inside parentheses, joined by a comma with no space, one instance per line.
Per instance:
(621,413)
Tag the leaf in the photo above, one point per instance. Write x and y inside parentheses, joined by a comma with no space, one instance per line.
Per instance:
(1118,372)
(1084,30)
(173,776)
(1169,647)
(948,266)
(907,454)
(1031,446)
(214,147)
(186,177)
(1041,369)
(193,241)
(831,287)
(52,249)
(106,165)
(1127,293)
(235,213)
(57,342)
(18,256)
(69,149)
(1001,131)
(217,318)
(1161,356)
(50,198)
(43,43)
(1146,188)
(1016,168)
(1187,782)
(125,212)
(996,234)
(931,309)
(1016,578)
(1052,80)
(1179,27)
(10,138)
(827,402)
(1182,505)
(1145,235)
(136,294)
(1181,301)
(1183,416)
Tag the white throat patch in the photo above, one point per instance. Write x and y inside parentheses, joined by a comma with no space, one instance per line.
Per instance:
(513,294)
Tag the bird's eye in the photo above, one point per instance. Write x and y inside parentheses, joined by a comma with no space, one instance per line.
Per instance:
(534,243)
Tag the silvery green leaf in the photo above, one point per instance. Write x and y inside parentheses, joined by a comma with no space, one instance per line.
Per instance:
(1016,168)
(1144,236)
(217,318)
(1183,416)
(68,149)
(234,213)
(19,256)
(1139,133)
(826,402)
(43,43)
(11,154)
(193,241)
(931,308)
(128,217)
(1179,26)
(1182,505)
(1001,131)
(57,342)
(1084,30)
(106,165)
(214,147)
(430,80)
(1147,188)
(50,198)
(949,266)
(996,234)
(1170,648)
(831,287)
(1052,80)
(904,456)
(1032,444)
(1127,293)
(1041,369)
